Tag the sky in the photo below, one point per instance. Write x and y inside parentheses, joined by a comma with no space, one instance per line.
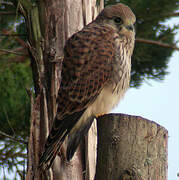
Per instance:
(159,102)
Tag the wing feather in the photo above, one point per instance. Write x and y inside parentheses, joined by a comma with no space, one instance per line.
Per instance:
(87,66)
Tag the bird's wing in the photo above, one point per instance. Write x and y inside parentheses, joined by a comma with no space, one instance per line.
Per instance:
(87,66)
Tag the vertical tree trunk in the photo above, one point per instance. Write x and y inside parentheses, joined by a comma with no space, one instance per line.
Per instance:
(130,147)
(50,24)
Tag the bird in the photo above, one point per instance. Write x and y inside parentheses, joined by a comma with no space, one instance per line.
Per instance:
(95,76)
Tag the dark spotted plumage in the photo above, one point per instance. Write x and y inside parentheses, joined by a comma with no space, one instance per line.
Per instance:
(95,75)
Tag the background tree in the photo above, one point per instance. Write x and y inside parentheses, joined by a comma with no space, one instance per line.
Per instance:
(149,61)
(15,76)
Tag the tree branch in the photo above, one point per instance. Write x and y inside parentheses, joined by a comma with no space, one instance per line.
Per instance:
(27,5)
(173,14)
(13,138)
(13,34)
(8,33)
(147,41)
(12,52)
(7,13)
(6,3)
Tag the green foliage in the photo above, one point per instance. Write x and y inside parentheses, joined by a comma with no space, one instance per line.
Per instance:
(15,76)
(14,102)
(15,162)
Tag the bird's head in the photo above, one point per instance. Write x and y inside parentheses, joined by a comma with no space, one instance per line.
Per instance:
(120,17)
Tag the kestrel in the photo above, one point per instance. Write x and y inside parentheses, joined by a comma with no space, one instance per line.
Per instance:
(95,76)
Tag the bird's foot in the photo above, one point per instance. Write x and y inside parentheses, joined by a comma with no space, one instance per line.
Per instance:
(99,115)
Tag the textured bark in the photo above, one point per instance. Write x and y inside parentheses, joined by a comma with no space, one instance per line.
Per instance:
(131,148)
(50,24)
(34,137)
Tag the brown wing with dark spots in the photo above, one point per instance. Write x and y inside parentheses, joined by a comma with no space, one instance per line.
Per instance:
(86,68)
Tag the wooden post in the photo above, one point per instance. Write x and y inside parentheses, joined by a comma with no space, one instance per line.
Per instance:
(131,148)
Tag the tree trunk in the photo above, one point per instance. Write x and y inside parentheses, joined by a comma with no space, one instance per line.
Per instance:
(50,24)
(131,148)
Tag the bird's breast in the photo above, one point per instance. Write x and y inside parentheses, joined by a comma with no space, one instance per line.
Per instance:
(121,65)
(106,100)
(119,80)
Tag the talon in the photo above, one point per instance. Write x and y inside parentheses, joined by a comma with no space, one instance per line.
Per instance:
(99,115)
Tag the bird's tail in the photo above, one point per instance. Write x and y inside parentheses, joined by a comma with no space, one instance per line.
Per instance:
(59,131)
(77,133)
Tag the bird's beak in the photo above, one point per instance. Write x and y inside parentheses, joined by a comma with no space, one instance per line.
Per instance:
(130,27)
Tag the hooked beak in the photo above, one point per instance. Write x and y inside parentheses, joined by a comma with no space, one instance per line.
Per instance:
(130,27)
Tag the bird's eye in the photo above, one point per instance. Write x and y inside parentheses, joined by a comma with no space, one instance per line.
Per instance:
(118,20)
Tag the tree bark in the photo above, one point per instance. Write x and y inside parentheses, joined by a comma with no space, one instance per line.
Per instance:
(49,25)
(131,148)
